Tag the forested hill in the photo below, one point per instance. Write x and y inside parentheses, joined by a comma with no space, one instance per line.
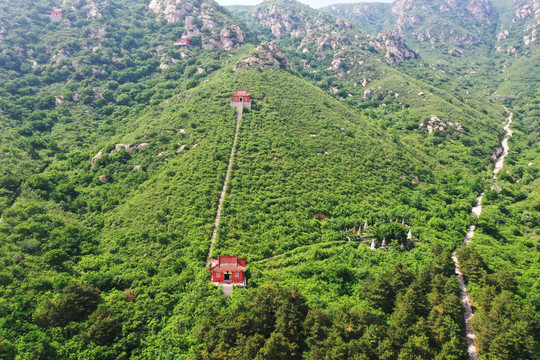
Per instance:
(114,149)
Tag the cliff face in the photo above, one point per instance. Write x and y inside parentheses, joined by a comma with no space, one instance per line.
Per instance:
(290,19)
(323,33)
(395,49)
(202,18)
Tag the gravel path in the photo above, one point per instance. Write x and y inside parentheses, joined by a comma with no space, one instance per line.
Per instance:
(476,211)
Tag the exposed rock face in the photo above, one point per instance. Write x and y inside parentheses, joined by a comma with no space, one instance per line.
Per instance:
(201,18)
(278,19)
(337,38)
(434,123)
(522,30)
(172,11)
(395,48)
(525,9)
(118,147)
(98,33)
(413,15)
(60,55)
(96,157)
(129,148)
(315,28)
(267,56)
(410,11)
(528,12)
(479,9)
(90,7)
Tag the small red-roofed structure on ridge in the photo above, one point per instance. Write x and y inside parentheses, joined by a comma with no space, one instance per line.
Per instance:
(183,42)
(228,270)
(56,15)
(241,97)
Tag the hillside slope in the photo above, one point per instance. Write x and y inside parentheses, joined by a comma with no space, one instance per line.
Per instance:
(115,146)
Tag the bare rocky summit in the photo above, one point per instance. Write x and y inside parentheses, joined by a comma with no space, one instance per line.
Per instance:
(323,33)
(201,18)
(395,49)
(266,56)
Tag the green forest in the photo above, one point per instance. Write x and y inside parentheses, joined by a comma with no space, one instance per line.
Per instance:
(114,149)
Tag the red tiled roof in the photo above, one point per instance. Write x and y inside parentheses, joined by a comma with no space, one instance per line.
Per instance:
(228,263)
(241,93)
(228,268)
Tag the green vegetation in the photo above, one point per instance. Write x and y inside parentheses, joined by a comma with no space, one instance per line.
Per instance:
(114,151)
(402,315)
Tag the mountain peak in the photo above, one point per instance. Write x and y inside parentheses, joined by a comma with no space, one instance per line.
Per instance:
(217,29)
(266,56)
(290,18)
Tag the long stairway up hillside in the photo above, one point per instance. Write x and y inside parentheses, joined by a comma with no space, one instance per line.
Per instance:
(239,112)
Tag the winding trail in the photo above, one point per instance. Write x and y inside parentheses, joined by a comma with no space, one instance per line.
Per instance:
(500,160)
(475,212)
(239,111)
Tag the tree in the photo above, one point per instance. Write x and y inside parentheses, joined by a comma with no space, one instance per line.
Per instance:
(75,303)
(393,232)
(55,258)
(104,328)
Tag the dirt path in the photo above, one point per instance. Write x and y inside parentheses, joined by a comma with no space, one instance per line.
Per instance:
(500,160)
(239,110)
(475,212)
(227,289)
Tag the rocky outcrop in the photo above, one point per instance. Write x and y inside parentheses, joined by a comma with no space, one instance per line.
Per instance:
(229,38)
(60,55)
(117,147)
(201,18)
(290,19)
(98,33)
(480,9)
(279,19)
(266,56)
(435,123)
(90,7)
(410,12)
(523,28)
(395,49)
(526,9)
(171,10)
(412,16)
(529,13)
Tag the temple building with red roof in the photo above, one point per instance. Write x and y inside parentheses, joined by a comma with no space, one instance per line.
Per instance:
(241,97)
(184,41)
(56,15)
(228,270)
